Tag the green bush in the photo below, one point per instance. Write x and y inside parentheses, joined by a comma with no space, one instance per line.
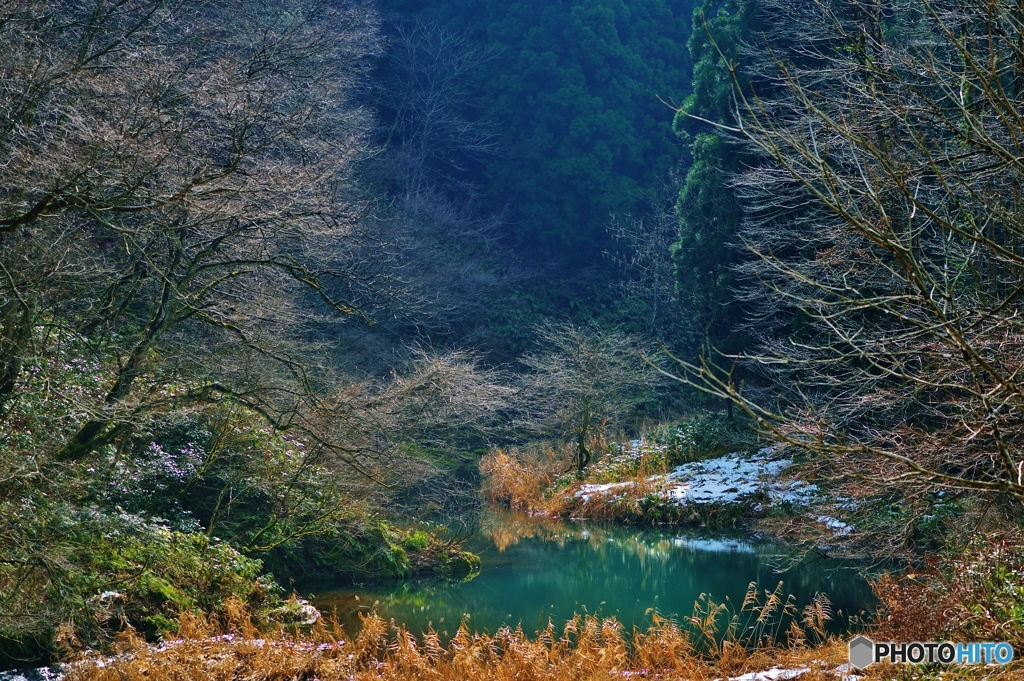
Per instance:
(699,437)
(97,573)
(417,540)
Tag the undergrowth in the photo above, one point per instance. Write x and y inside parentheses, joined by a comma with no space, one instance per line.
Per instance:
(542,479)
(971,591)
(709,644)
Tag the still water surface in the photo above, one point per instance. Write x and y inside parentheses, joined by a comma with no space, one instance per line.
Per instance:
(535,569)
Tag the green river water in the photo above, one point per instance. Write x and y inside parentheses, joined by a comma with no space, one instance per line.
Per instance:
(535,569)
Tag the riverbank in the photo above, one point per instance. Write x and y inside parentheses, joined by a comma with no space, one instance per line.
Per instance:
(971,595)
(648,482)
(587,649)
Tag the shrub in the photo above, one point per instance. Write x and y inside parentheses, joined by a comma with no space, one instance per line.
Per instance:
(972,592)
(517,478)
(699,437)
(122,570)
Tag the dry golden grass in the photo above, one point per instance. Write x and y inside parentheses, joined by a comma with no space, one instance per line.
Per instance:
(524,480)
(625,503)
(586,648)
(519,478)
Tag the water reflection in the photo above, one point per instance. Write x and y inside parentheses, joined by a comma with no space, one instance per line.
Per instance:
(536,569)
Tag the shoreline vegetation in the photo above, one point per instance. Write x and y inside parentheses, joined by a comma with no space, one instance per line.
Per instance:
(703,472)
(766,640)
(968,591)
(587,647)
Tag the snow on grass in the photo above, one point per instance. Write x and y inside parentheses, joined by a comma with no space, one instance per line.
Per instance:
(773,674)
(588,491)
(842,672)
(837,526)
(730,478)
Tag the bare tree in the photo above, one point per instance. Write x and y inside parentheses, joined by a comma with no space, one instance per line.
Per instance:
(175,176)
(886,221)
(434,135)
(435,128)
(584,380)
(644,255)
(180,213)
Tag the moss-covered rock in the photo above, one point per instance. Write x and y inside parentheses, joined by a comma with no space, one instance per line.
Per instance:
(366,549)
(458,564)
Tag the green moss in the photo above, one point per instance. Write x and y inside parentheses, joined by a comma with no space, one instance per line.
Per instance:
(458,564)
(416,540)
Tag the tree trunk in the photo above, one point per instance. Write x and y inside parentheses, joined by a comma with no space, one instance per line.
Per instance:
(15,333)
(582,455)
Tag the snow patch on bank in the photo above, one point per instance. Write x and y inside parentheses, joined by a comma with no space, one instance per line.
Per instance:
(725,480)
(837,526)
(587,491)
(729,478)
(774,674)
(843,672)
(42,674)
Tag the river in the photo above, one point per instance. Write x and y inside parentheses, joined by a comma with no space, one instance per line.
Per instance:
(536,569)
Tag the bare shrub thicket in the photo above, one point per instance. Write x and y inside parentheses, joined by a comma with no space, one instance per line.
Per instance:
(176,177)
(180,222)
(885,217)
(583,381)
(434,142)
(643,253)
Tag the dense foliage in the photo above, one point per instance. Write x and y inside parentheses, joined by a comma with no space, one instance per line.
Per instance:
(710,212)
(572,92)
(881,216)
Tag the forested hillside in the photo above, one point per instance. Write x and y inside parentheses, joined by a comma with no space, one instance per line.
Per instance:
(576,94)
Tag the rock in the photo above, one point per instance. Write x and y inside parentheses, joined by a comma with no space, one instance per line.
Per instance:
(458,564)
(294,611)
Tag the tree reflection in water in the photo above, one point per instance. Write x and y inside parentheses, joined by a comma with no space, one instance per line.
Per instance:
(537,569)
